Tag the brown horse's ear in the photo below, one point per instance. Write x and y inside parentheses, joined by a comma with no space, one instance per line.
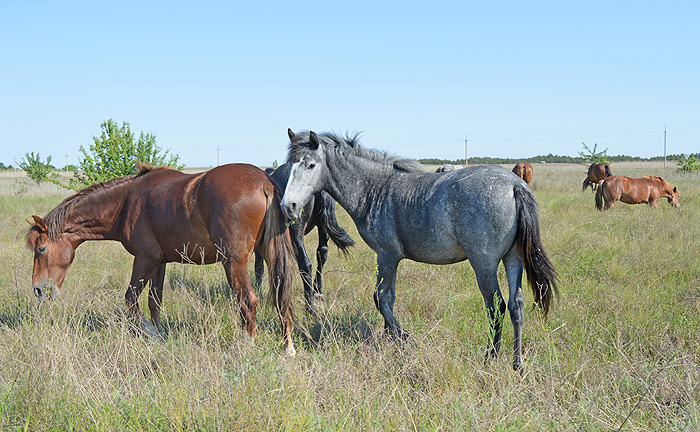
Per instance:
(313,139)
(291,134)
(40,223)
(675,190)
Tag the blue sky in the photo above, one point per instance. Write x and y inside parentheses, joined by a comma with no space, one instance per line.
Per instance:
(517,79)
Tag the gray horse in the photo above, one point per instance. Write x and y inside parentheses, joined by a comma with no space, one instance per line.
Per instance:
(485,214)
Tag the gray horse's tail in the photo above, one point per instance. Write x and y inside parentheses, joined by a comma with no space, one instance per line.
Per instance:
(336,233)
(540,271)
(599,196)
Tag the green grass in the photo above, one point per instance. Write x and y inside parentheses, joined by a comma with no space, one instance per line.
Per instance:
(621,347)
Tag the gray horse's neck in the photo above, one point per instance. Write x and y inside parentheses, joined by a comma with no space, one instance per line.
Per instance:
(357,184)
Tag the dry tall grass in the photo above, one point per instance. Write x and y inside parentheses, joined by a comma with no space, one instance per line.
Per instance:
(621,350)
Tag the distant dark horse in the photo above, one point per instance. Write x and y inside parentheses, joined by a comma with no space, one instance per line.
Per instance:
(448,168)
(597,172)
(484,214)
(647,189)
(319,212)
(161,215)
(524,171)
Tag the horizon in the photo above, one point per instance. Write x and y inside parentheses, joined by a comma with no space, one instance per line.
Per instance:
(221,82)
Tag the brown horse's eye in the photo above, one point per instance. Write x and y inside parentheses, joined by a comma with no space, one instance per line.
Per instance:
(41,249)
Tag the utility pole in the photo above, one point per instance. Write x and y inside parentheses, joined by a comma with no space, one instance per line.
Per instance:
(466,151)
(664,147)
(66,162)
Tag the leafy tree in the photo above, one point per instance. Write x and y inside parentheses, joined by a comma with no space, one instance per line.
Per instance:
(593,156)
(4,167)
(115,153)
(36,169)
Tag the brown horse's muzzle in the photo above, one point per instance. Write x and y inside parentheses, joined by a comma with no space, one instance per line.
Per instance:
(44,291)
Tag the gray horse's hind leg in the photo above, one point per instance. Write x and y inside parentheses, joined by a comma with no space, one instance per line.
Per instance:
(487,278)
(514,271)
(385,295)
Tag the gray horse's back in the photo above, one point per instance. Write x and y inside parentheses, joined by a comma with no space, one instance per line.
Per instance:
(466,213)
(483,210)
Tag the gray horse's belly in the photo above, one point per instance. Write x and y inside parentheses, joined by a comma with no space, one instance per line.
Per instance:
(433,248)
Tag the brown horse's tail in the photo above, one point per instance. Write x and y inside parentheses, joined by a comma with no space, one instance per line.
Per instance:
(608,173)
(599,196)
(276,249)
(540,271)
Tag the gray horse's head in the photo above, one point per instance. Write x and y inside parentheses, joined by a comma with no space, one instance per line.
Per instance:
(307,171)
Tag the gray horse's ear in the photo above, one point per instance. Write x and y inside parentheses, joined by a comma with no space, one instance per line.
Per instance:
(291,134)
(313,139)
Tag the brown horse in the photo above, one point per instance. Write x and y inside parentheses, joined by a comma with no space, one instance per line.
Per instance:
(597,172)
(161,215)
(647,189)
(524,171)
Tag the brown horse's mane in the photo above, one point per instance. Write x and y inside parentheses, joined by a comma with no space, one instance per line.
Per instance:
(55,220)
(667,186)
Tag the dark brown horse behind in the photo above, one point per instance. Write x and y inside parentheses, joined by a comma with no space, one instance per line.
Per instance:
(597,172)
(647,189)
(524,171)
(161,215)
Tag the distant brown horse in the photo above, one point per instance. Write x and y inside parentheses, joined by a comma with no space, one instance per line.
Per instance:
(524,171)
(597,172)
(161,215)
(647,189)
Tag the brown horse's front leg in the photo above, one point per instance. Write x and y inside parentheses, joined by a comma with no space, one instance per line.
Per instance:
(155,295)
(139,278)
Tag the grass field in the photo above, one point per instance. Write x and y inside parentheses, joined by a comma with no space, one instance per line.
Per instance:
(621,349)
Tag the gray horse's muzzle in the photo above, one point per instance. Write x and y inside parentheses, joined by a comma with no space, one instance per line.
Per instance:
(291,209)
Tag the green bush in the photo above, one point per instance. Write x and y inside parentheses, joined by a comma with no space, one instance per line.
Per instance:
(688,164)
(115,153)
(36,169)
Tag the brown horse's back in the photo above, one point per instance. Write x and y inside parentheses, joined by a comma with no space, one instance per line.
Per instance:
(524,171)
(226,202)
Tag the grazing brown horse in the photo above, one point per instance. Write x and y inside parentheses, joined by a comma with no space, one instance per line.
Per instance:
(597,172)
(524,171)
(161,215)
(647,189)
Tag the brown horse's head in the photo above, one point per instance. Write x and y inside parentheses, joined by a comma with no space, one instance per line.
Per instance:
(671,193)
(675,198)
(53,255)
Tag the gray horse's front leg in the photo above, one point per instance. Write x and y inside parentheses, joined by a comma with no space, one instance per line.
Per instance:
(385,295)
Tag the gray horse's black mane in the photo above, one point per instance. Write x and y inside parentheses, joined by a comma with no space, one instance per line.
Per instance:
(350,144)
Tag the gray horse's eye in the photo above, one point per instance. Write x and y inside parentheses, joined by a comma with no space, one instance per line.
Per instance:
(311,166)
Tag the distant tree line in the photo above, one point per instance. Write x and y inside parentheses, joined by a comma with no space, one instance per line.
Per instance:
(551,158)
